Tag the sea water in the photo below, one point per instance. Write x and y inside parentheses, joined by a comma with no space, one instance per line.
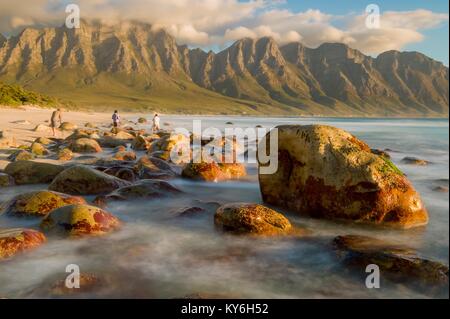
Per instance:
(158,254)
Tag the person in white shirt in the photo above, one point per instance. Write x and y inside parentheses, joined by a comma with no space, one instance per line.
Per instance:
(116,120)
(156,120)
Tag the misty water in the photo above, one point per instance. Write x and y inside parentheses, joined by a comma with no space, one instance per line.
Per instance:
(158,254)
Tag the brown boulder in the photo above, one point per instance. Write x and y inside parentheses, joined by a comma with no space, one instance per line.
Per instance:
(85,145)
(326,172)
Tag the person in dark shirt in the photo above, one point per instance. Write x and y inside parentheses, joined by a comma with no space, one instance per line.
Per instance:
(116,120)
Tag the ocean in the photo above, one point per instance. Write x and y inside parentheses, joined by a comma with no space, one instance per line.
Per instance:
(159,255)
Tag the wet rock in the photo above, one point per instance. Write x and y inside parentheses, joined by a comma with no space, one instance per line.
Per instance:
(85,145)
(83,180)
(213,172)
(140,143)
(142,120)
(415,161)
(441,189)
(123,135)
(18,240)
(38,149)
(65,154)
(112,141)
(21,155)
(397,263)
(120,148)
(147,188)
(29,172)
(6,180)
(82,133)
(38,203)
(247,218)
(67,126)
(168,144)
(125,156)
(188,211)
(125,173)
(326,172)
(149,167)
(80,220)
(381,153)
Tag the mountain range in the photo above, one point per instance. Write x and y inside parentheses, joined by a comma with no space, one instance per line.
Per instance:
(133,66)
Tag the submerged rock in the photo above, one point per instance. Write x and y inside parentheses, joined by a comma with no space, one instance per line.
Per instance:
(14,241)
(415,161)
(247,218)
(85,145)
(188,211)
(396,262)
(83,180)
(80,220)
(6,180)
(38,203)
(146,188)
(328,173)
(29,172)
(21,155)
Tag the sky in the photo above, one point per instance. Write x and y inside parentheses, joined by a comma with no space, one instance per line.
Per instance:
(214,24)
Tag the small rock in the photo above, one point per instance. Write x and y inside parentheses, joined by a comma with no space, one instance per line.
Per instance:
(14,241)
(67,126)
(125,156)
(415,161)
(38,149)
(142,120)
(188,211)
(85,145)
(65,154)
(21,155)
(246,218)
(80,220)
(38,203)
(6,180)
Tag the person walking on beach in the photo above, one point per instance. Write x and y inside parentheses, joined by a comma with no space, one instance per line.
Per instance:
(155,127)
(116,120)
(56,116)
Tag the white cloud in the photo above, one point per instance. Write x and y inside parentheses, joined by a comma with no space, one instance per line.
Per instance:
(209,23)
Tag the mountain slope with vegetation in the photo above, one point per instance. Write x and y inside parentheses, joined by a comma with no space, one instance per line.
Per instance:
(15,95)
(134,66)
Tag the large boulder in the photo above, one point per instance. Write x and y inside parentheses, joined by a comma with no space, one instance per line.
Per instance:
(140,143)
(213,172)
(84,180)
(327,172)
(80,220)
(82,133)
(171,143)
(255,219)
(6,180)
(21,155)
(43,128)
(38,203)
(143,189)
(397,263)
(29,172)
(85,145)
(14,241)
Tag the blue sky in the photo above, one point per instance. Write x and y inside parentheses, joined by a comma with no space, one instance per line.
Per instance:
(436,41)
